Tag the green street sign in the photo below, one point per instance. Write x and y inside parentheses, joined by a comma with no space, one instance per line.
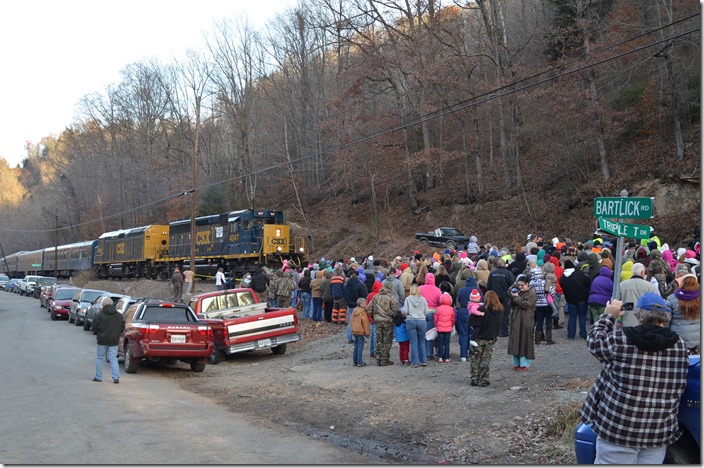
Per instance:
(623,207)
(632,231)
(36,265)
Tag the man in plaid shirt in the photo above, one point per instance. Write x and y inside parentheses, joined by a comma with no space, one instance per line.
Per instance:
(634,402)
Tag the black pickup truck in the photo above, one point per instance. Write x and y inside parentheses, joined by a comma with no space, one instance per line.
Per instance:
(444,237)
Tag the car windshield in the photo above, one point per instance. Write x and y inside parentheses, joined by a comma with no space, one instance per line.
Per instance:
(90,296)
(64,294)
(452,232)
(167,315)
(46,281)
(4,278)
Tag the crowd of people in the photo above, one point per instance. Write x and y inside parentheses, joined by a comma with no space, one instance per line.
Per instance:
(638,310)
(536,287)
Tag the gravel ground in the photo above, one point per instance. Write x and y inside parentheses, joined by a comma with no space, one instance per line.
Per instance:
(400,414)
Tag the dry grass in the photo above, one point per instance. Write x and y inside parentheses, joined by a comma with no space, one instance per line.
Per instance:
(575,384)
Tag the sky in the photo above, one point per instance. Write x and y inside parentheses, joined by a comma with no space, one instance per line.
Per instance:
(54,52)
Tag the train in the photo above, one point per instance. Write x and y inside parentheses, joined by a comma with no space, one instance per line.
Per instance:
(239,241)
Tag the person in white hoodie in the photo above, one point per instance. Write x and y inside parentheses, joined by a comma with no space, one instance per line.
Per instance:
(415,307)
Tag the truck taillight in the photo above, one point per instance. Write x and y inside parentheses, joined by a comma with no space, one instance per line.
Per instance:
(205,331)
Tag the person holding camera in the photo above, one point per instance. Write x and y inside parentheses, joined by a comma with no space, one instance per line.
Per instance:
(634,402)
(522,323)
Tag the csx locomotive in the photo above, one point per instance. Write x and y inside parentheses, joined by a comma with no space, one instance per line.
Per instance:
(236,241)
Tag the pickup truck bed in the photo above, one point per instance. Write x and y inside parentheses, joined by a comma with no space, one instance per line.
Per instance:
(239,323)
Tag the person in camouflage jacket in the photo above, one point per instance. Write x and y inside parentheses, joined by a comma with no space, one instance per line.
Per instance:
(383,308)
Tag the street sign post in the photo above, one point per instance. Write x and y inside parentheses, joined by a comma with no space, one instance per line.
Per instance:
(633,208)
(633,231)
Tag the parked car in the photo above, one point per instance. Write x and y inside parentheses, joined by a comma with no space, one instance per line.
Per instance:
(123,304)
(3,281)
(59,305)
(96,306)
(42,281)
(80,303)
(161,331)
(11,285)
(51,292)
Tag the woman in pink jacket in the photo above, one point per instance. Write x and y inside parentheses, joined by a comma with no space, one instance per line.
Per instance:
(432,294)
(444,321)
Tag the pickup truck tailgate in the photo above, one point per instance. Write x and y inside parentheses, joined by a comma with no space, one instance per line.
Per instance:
(176,337)
(261,326)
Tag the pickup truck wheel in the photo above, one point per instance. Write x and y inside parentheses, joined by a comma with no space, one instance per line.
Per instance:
(217,357)
(423,240)
(131,365)
(451,245)
(197,366)
(281,349)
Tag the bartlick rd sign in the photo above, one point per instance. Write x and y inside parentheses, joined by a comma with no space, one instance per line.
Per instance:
(633,208)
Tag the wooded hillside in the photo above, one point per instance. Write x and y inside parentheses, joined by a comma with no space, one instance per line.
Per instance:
(368,120)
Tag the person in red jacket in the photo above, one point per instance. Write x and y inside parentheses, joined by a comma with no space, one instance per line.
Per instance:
(444,321)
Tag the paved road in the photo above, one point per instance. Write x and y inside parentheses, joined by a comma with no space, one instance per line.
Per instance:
(52,412)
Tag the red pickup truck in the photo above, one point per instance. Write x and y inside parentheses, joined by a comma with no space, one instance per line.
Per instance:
(165,332)
(240,323)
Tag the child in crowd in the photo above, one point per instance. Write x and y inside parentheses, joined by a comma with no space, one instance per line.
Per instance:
(475,301)
(359,324)
(444,320)
(551,287)
(486,329)
(402,339)
(473,307)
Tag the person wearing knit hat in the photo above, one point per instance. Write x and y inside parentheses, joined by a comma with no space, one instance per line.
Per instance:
(685,303)
(475,300)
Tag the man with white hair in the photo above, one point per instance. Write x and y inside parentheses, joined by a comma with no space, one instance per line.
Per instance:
(633,289)
(634,402)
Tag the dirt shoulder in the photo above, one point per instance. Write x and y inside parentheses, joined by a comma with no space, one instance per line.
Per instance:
(397,413)
(401,414)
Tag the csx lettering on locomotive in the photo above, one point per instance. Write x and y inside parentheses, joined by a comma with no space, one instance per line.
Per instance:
(120,248)
(203,238)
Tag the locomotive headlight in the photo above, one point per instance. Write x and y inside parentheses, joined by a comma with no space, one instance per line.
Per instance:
(278,233)
(300,249)
(278,249)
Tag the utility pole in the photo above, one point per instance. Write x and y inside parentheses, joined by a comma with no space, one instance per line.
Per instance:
(56,245)
(194,195)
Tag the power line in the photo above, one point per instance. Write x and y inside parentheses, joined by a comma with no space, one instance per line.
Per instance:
(500,91)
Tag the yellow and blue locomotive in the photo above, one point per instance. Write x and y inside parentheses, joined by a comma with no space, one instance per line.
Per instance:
(238,241)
